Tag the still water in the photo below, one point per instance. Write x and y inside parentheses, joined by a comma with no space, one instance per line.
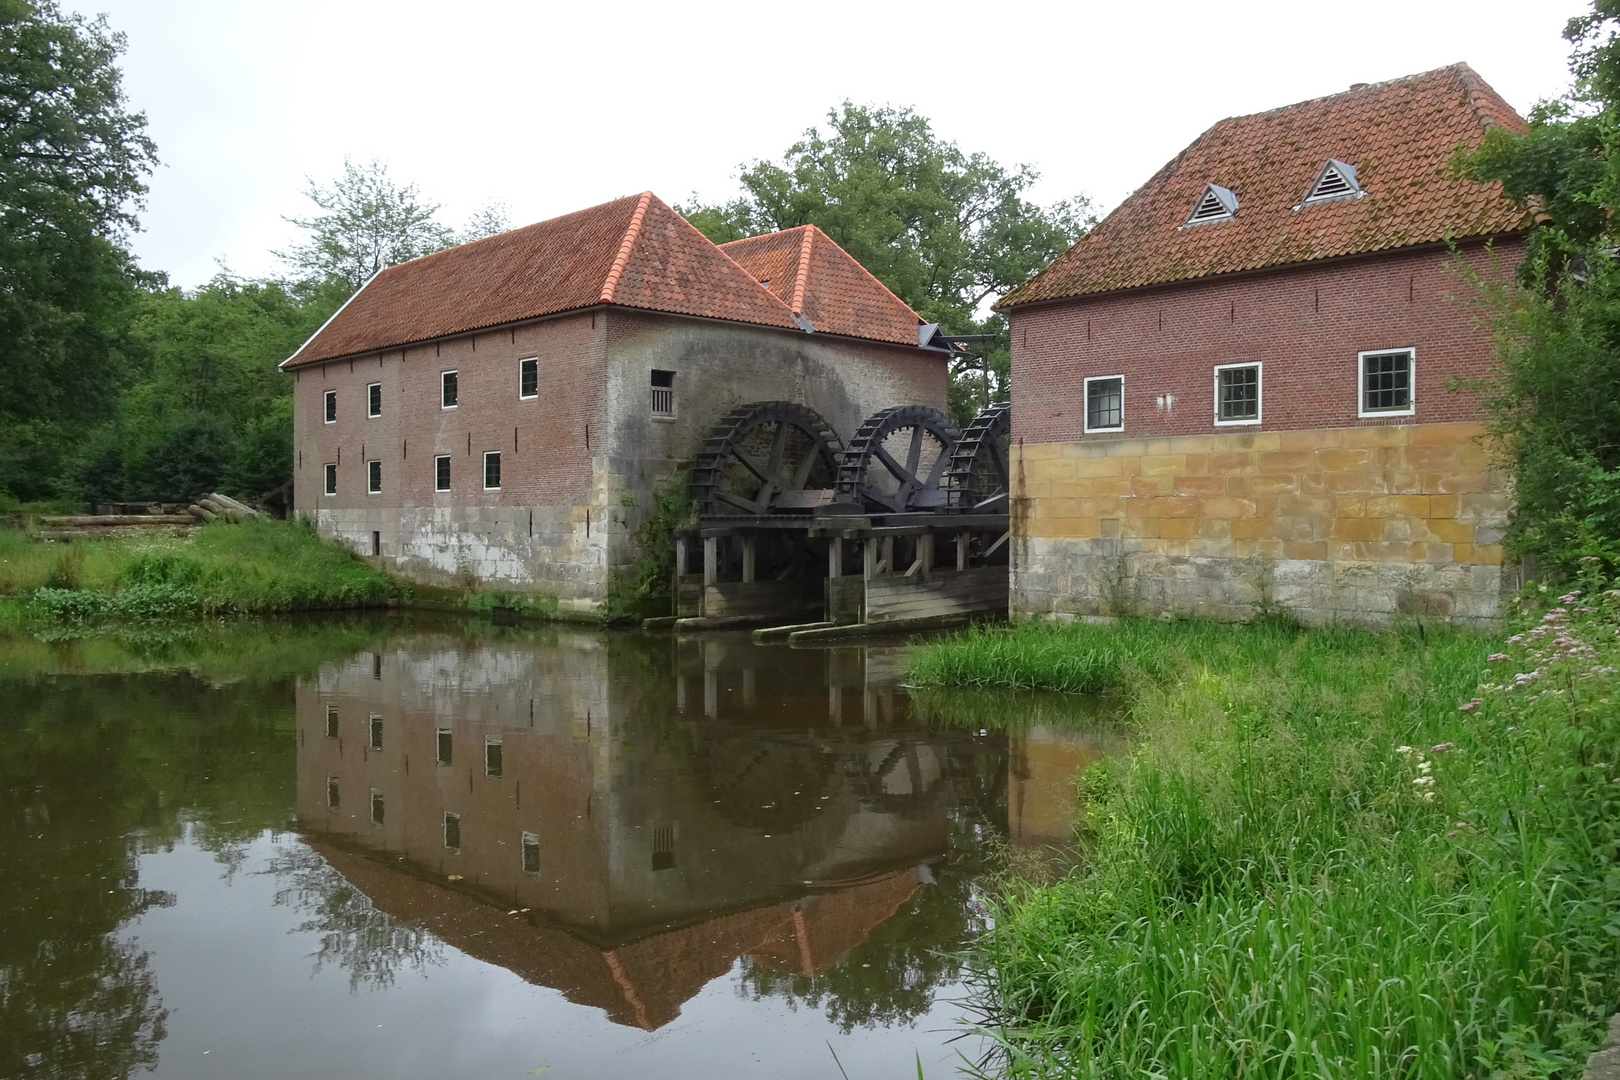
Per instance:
(435,850)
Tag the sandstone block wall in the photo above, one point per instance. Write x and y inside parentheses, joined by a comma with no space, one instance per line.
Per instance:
(1354,525)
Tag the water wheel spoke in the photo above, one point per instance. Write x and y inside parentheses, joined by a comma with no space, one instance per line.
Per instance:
(914,451)
(778,445)
(899,471)
(738,501)
(998,461)
(801,475)
(751,465)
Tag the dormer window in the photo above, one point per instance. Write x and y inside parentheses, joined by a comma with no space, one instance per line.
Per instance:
(1215,204)
(1337,180)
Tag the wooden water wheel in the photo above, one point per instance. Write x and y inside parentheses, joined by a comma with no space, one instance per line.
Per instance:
(979,479)
(897,460)
(766,456)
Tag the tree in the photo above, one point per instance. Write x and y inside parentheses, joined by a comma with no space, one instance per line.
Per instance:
(946,230)
(1557,423)
(72,162)
(367,222)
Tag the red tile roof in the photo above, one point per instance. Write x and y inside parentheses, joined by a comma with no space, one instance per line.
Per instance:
(820,281)
(1399,135)
(633,252)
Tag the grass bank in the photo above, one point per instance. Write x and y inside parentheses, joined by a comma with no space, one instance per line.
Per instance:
(1329,853)
(256,567)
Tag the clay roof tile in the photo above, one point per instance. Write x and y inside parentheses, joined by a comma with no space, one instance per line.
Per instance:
(1399,135)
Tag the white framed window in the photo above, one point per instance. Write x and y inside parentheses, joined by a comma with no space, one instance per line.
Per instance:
(331,478)
(449,389)
(1385,382)
(444,746)
(331,722)
(529,377)
(1105,403)
(374,477)
(331,406)
(531,853)
(374,399)
(492,758)
(492,470)
(1237,394)
(376,732)
(441,473)
(663,395)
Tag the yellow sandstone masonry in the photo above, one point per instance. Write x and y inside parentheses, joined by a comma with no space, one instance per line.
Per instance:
(1174,518)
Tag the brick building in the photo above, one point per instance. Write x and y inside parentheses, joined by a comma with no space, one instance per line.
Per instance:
(504,411)
(1235,390)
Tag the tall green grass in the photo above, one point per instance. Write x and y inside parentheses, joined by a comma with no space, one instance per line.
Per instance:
(1315,863)
(255,567)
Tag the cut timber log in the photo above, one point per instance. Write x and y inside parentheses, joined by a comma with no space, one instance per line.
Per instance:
(852,631)
(728,622)
(782,633)
(111,521)
(202,513)
(231,504)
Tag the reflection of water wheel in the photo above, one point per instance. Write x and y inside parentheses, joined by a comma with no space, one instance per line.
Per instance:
(897,459)
(770,455)
(978,478)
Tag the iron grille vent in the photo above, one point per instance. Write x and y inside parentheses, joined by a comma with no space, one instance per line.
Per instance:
(1215,204)
(1337,180)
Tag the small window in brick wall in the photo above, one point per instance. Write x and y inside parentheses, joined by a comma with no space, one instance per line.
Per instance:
(444,746)
(332,800)
(331,406)
(376,732)
(529,377)
(492,470)
(531,853)
(663,852)
(663,393)
(374,399)
(1386,383)
(1237,394)
(376,808)
(441,473)
(492,758)
(331,478)
(452,831)
(449,390)
(374,477)
(1105,403)
(331,722)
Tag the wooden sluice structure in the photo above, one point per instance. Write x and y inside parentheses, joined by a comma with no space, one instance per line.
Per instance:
(905,528)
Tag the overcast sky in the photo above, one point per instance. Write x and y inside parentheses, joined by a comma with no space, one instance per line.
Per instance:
(551,107)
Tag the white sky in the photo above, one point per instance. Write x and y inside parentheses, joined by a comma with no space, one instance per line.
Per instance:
(552,107)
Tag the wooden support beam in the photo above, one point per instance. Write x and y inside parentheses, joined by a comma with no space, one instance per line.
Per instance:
(711,560)
(748,557)
(835,556)
(869,558)
(962,542)
(1002,540)
(887,562)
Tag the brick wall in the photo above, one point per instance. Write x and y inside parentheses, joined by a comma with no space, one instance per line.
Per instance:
(1305,324)
(581,460)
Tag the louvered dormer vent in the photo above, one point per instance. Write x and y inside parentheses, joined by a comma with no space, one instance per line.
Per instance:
(1215,204)
(1337,180)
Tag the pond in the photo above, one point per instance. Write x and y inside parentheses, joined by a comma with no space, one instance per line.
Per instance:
(417,849)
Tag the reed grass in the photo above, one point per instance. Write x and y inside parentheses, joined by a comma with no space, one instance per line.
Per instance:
(254,567)
(1330,853)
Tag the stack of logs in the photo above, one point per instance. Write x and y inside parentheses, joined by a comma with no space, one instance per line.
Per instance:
(84,526)
(216,506)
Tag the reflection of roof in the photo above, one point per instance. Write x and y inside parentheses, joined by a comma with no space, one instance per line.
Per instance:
(822,282)
(1399,136)
(633,252)
(644,983)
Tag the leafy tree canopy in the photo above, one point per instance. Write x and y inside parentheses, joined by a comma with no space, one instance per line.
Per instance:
(72,162)
(367,222)
(1551,402)
(946,230)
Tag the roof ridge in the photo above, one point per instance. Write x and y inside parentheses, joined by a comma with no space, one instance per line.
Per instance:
(1354,89)
(805,241)
(625,247)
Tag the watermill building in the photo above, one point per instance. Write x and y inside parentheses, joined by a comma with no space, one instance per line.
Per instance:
(505,411)
(1237,390)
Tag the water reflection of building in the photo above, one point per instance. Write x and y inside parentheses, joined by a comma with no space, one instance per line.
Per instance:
(623,818)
